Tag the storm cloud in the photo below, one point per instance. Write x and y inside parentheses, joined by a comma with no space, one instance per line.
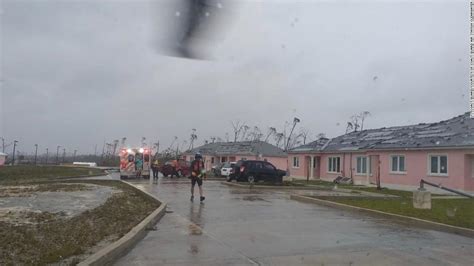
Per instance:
(76,73)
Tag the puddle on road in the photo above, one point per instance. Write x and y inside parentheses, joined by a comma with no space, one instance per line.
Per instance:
(248,191)
(194,230)
(193,249)
(253,198)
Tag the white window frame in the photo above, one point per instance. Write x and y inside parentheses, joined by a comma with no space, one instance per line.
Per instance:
(439,165)
(367,165)
(329,170)
(398,162)
(296,162)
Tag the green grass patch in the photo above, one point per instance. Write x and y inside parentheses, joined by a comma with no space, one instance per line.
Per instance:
(17,175)
(322,183)
(54,238)
(457,212)
(283,184)
(386,191)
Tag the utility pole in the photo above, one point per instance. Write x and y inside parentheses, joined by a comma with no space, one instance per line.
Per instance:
(14,150)
(64,155)
(57,154)
(36,152)
(3,145)
(74,158)
(47,154)
(116,142)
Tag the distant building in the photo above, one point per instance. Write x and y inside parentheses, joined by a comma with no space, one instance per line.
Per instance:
(441,152)
(220,152)
(3,158)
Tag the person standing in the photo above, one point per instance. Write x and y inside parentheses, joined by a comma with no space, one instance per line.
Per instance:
(197,169)
(139,164)
(155,167)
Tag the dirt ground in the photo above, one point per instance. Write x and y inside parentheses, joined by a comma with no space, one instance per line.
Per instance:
(63,222)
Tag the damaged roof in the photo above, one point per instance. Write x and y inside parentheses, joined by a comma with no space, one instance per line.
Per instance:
(248,148)
(451,133)
(314,146)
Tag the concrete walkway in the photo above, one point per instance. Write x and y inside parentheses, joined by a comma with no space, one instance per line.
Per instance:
(241,227)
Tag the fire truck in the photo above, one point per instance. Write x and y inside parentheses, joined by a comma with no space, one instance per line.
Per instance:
(128,159)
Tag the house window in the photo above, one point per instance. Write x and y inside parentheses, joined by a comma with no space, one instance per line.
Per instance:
(223,159)
(244,159)
(334,164)
(315,162)
(397,164)
(438,164)
(361,167)
(212,160)
(296,162)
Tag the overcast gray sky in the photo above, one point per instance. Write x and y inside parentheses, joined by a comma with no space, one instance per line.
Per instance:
(74,73)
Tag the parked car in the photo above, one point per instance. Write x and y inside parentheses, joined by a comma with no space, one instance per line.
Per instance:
(178,168)
(216,169)
(254,171)
(226,168)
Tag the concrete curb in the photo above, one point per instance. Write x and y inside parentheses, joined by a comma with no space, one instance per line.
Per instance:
(80,176)
(272,187)
(413,221)
(117,249)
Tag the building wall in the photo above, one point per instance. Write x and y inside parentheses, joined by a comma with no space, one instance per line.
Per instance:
(298,172)
(279,162)
(2,160)
(304,168)
(417,163)
(460,168)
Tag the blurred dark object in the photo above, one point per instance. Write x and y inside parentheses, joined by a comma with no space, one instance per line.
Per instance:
(193,27)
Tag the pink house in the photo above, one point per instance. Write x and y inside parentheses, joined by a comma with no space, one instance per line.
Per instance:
(3,157)
(220,152)
(441,152)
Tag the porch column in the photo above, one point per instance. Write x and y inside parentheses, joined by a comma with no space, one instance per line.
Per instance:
(312,167)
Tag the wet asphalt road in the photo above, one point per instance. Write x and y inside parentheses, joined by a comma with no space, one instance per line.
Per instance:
(241,227)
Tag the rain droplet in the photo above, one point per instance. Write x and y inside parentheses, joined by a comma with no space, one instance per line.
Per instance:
(207,14)
(178,13)
(219,5)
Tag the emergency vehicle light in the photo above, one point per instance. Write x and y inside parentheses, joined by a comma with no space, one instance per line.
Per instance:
(141,150)
(129,150)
